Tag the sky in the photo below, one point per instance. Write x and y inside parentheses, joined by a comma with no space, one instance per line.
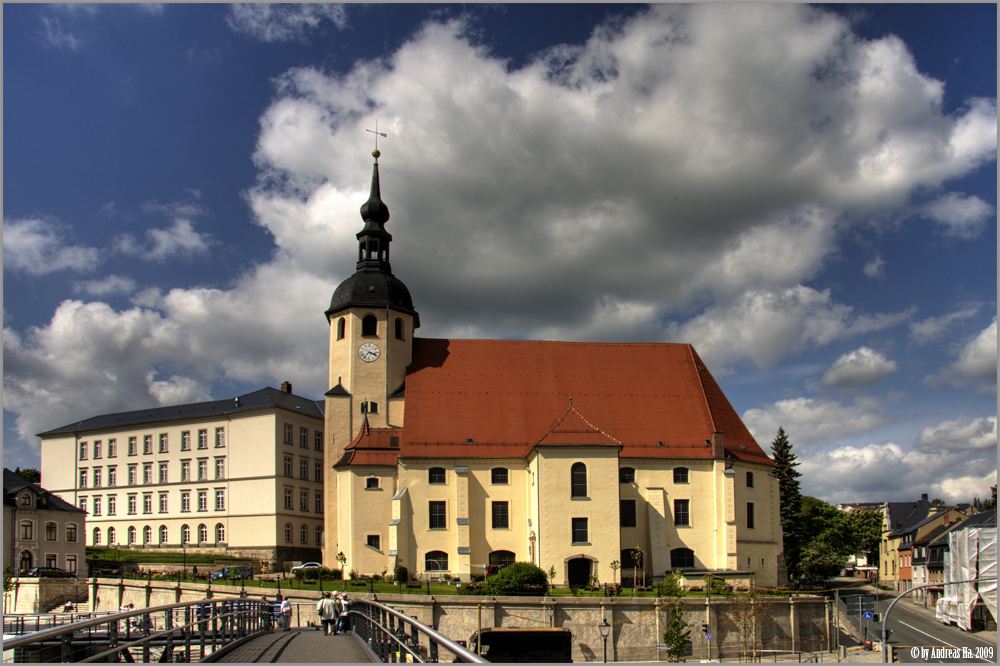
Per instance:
(807,194)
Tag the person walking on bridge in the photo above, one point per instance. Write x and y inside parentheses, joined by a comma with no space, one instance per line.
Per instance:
(327,609)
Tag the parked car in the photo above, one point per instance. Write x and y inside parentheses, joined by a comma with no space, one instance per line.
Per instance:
(308,565)
(48,572)
(239,572)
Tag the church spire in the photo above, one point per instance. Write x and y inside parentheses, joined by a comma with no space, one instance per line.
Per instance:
(373,239)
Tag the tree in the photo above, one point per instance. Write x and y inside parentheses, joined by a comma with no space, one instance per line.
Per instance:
(29,474)
(615,566)
(8,585)
(520,578)
(637,554)
(790,499)
(866,525)
(746,615)
(677,632)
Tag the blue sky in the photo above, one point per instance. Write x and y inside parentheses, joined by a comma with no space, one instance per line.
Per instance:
(805,194)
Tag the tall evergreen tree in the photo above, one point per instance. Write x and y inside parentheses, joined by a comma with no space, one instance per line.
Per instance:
(784,471)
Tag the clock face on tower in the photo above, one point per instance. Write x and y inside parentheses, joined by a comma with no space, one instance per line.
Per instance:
(368,352)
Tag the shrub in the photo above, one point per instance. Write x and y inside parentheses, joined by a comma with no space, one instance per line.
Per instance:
(519,578)
(402,574)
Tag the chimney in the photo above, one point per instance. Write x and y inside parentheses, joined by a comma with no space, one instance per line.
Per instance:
(718,450)
(924,497)
(286,387)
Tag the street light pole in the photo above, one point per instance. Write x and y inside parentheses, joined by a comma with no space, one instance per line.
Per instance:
(605,632)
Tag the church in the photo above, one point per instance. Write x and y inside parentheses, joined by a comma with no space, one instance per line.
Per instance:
(595,461)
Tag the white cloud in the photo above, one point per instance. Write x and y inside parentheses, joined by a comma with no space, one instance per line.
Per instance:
(887,471)
(112,284)
(955,435)
(179,239)
(766,325)
(810,421)
(977,360)
(933,327)
(54,35)
(36,247)
(859,368)
(283,23)
(962,216)
(875,268)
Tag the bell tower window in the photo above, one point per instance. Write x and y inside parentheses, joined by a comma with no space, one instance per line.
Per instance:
(369,325)
(340,328)
(399,329)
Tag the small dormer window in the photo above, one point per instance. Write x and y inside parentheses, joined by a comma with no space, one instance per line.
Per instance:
(26,499)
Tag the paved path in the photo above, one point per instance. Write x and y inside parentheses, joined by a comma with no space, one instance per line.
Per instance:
(302,646)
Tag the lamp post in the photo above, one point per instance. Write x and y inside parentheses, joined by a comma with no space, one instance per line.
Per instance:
(605,632)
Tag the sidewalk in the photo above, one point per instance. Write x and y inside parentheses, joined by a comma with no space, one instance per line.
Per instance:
(304,645)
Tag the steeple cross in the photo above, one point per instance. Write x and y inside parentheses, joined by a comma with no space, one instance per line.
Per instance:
(377,135)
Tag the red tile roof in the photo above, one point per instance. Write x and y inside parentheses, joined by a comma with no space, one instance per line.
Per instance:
(657,400)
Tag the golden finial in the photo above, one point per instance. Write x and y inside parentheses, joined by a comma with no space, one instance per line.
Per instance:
(376,153)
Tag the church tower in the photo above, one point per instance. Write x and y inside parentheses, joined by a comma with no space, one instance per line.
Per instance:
(372,322)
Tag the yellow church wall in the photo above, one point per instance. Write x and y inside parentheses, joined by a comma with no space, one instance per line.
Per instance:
(371,514)
(557,509)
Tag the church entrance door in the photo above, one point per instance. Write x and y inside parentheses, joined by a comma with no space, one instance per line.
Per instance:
(579,571)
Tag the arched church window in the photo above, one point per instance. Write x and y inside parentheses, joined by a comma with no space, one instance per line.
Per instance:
(435,475)
(340,328)
(578,480)
(681,558)
(436,560)
(626,475)
(369,325)
(680,475)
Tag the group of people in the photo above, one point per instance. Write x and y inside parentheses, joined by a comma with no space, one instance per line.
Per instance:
(333,612)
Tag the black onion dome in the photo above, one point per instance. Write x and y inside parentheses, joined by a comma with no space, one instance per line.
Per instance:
(372,289)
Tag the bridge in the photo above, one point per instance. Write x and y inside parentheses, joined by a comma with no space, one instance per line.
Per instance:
(224,630)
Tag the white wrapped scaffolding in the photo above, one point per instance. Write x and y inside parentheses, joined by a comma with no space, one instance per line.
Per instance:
(972,553)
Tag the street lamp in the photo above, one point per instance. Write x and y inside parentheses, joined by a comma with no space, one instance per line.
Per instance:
(605,632)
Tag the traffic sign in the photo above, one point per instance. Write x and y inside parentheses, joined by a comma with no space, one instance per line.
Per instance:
(869,616)
(708,637)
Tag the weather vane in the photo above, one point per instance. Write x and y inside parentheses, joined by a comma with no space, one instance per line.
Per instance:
(377,134)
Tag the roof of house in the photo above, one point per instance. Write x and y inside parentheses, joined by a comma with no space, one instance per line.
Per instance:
(986,518)
(14,483)
(903,515)
(652,400)
(265,398)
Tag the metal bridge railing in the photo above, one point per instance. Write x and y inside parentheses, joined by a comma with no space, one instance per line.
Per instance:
(26,623)
(188,631)
(397,638)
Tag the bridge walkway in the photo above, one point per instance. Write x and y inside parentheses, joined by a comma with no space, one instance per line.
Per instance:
(305,645)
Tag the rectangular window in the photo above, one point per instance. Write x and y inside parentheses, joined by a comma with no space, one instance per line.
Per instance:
(83,478)
(288,466)
(374,541)
(436,475)
(163,472)
(83,450)
(112,505)
(131,446)
(220,438)
(501,518)
(750,516)
(185,470)
(71,533)
(147,444)
(147,503)
(97,506)
(304,469)
(203,500)
(220,468)
(83,504)
(112,448)
(132,504)
(185,502)
(186,440)
(132,475)
(318,440)
(202,439)
(580,531)
(97,449)
(682,516)
(51,560)
(112,476)
(288,498)
(220,500)
(287,436)
(27,530)
(163,442)
(303,501)
(51,532)
(97,477)
(318,472)
(163,502)
(438,515)
(626,510)
(147,473)
(71,563)
(202,469)
(304,438)
(371,483)
(319,502)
